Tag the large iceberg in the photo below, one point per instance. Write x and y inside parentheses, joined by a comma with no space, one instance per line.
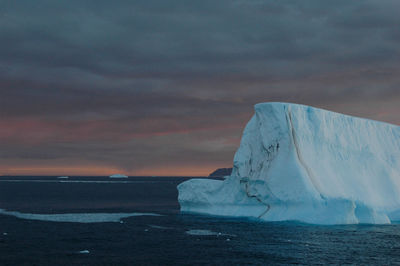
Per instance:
(301,163)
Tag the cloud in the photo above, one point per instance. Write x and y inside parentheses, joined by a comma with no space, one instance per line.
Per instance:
(79,78)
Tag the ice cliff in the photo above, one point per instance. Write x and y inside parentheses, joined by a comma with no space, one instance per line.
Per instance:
(301,163)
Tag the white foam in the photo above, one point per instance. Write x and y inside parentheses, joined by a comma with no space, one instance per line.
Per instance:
(76,217)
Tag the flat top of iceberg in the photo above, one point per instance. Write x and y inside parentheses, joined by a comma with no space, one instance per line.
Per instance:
(261,106)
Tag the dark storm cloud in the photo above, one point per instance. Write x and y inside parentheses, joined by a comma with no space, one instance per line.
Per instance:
(143,80)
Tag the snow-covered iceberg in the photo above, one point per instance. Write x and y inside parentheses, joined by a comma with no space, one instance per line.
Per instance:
(301,163)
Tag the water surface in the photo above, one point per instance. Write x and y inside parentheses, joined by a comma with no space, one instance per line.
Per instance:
(169,239)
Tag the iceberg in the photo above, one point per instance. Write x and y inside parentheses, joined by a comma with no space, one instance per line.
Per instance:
(118,176)
(84,251)
(306,164)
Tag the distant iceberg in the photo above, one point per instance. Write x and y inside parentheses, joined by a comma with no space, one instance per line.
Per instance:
(301,163)
(63,177)
(84,251)
(118,176)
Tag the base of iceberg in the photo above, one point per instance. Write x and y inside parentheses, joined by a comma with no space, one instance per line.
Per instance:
(301,163)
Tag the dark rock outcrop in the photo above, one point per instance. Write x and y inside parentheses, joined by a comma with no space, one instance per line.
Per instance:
(221,172)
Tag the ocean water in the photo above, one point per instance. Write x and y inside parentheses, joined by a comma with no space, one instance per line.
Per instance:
(136,221)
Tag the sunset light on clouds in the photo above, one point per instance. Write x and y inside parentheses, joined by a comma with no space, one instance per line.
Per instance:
(166,88)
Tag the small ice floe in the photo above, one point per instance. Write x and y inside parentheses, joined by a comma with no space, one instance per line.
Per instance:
(84,251)
(4,234)
(118,176)
(76,217)
(203,232)
(146,230)
(159,227)
(98,181)
(63,177)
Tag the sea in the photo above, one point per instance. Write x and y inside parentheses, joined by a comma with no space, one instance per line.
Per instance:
(137,221)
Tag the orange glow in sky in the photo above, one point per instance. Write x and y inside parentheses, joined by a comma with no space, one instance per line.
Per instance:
(105,171)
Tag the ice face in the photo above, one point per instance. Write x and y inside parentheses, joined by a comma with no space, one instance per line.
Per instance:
(301,163)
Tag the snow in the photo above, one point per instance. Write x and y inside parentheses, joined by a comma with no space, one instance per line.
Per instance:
(76,217)
(118,176)
(301,163)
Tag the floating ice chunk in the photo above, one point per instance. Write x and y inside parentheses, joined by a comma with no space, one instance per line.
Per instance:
(118,176)
(204,232)
(201,232)
(78,181)
(84,251)
(301,163)
(63,177)
(76,217)
(99,181)
(159,227)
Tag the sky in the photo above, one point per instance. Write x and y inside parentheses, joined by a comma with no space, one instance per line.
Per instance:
(166,87)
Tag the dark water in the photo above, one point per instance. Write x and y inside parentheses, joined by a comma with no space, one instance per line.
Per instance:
(164,240)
